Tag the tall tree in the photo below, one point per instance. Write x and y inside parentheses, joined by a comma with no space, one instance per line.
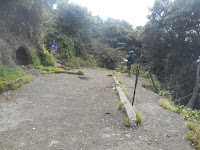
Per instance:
(172,40)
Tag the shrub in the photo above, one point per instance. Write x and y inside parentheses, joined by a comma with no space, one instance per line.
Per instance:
(166,94)
(121,67)
(35,59)
(47,58)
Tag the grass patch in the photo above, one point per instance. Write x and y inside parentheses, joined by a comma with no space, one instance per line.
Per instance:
(10,73)
(79,72)
(167,104)
(127,122)
(49,70)
(195,134)
(2,84)
(20,82)
(120,105)
(192,116)
(138,116)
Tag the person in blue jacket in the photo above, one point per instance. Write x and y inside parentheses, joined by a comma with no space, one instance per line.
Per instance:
(53,47)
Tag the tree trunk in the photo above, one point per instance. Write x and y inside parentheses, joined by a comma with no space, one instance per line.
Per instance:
(196,88)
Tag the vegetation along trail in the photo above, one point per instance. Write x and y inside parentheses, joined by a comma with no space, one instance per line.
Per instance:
(66,112)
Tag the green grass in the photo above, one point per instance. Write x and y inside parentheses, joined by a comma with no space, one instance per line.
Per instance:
(120,105)
(79,72)
(192,116)
(167,104)
(127,122)
(138,116)
(195,134)
(10,73)
(20,82)
(2,84)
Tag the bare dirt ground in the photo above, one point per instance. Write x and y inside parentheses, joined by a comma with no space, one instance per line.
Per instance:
(65,112)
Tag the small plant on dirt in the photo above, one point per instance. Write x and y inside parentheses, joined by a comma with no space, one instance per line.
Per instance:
(120,105)
(43,72)
(138,116)
(80,72)
(127,122)
(190,136)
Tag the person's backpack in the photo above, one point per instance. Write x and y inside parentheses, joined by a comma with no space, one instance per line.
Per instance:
(131,58)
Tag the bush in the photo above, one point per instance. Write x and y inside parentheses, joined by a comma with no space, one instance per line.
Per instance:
(166,94)
(47,58)
(121,67)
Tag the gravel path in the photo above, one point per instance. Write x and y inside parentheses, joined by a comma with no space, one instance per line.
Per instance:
(162,128)
(65,112)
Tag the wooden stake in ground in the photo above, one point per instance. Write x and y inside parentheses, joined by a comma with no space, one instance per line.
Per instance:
(137,75)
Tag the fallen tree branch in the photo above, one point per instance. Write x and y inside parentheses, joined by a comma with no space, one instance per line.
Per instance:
(182,98)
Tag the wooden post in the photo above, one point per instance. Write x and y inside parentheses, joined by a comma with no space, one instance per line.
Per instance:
(137,75)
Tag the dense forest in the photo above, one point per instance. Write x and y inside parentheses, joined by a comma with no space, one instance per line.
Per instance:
(170,39)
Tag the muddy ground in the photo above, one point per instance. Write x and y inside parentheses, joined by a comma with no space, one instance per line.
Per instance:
(65,112)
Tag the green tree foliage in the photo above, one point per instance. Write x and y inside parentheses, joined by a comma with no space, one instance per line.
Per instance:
(172,40)
(119,34)
(75,21)
(25,16)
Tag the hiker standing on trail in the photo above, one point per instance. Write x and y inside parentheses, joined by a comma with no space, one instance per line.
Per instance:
(130,60)
(53,47)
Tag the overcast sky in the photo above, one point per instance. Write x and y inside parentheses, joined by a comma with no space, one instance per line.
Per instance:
(133,11)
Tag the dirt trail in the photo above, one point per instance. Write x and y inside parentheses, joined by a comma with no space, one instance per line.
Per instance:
(65,112)
(161,128)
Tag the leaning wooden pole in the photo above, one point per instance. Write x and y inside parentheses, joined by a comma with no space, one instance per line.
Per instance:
(136,80)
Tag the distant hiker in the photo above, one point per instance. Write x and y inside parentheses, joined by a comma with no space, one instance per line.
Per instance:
(53,47)
(130,60)
(142,53)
